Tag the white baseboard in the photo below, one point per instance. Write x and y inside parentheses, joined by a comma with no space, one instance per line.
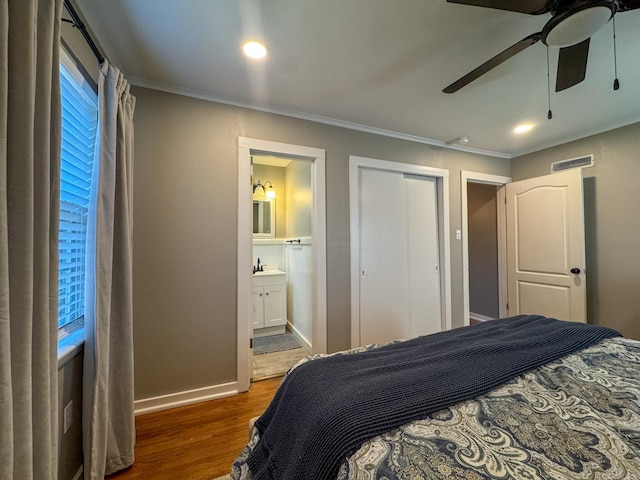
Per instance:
(188,397)
(479,317)
(303,341)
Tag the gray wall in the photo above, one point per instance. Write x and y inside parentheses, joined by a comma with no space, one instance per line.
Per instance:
(483,249)
(185,240)
(612,221)
(70,390)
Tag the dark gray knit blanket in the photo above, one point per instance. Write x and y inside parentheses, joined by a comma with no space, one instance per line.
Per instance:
(325,409)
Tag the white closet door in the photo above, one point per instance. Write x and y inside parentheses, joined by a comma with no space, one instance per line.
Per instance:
(384,294)
(425,313)
(399,272)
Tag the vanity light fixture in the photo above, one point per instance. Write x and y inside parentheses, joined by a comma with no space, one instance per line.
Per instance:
(255,49)
(271,192)
(262,190)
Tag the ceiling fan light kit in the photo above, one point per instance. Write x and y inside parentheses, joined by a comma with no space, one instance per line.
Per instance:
(577,24)
(570,28)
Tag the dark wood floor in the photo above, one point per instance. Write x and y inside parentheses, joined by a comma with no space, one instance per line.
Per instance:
(196,442)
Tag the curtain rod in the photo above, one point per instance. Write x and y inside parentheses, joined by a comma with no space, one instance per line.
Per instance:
(77,23)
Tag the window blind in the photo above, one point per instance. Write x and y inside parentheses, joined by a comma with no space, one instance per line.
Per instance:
(79,124)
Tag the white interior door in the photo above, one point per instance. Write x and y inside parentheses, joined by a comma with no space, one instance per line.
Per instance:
(399,256)
(545,246)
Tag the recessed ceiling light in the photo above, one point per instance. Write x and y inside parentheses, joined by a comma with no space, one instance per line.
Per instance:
(524,128)
(254,49)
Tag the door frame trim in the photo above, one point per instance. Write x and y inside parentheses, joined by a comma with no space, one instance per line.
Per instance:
(467,177)
(442,182)
(246,148)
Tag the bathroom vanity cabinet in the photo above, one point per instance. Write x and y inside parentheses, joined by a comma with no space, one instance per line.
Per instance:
(269,303)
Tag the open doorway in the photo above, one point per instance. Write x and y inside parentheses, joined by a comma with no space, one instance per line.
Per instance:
(483,246)
(275,248)
(282,247)
(482,230)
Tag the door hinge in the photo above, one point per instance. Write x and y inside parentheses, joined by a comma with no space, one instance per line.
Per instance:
(507,306)
(251,343)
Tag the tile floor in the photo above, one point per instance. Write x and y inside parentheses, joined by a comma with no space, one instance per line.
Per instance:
(269,365)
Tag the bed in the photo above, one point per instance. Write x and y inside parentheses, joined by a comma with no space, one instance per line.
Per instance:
(525,397)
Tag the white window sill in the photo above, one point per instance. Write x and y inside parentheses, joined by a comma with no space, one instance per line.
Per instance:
(70,346)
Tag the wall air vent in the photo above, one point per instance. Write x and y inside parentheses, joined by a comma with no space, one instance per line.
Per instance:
(579,162)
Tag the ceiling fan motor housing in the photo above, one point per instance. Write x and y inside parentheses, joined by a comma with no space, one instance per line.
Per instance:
(578,22)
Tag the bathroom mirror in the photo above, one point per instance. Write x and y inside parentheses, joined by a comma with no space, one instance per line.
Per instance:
(264,217)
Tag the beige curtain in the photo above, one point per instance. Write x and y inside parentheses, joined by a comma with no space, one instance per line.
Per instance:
(108,420)
(29,202)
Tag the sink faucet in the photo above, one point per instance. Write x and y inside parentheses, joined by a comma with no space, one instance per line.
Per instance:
(258,268)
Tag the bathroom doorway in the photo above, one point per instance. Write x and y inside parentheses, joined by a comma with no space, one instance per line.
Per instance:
(282,247)
(292,250)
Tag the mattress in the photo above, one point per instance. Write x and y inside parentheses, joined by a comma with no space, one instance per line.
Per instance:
(573,418)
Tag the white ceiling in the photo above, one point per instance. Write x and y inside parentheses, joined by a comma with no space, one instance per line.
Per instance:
(373,63)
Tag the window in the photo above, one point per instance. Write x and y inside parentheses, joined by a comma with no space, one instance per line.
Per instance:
(79,124)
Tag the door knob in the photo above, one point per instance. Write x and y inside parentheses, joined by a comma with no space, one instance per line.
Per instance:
(575,270)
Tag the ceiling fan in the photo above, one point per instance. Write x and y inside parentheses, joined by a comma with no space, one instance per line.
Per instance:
(570,28)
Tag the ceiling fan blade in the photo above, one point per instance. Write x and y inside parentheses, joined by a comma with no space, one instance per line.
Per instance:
(531,7)
(493,62)
(625,5)
(572,65)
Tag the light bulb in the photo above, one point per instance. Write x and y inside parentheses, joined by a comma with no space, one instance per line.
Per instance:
(271,193)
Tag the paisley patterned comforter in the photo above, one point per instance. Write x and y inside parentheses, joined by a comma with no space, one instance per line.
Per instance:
(575,418)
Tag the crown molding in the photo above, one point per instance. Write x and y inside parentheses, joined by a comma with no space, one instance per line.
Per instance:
(311,117)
